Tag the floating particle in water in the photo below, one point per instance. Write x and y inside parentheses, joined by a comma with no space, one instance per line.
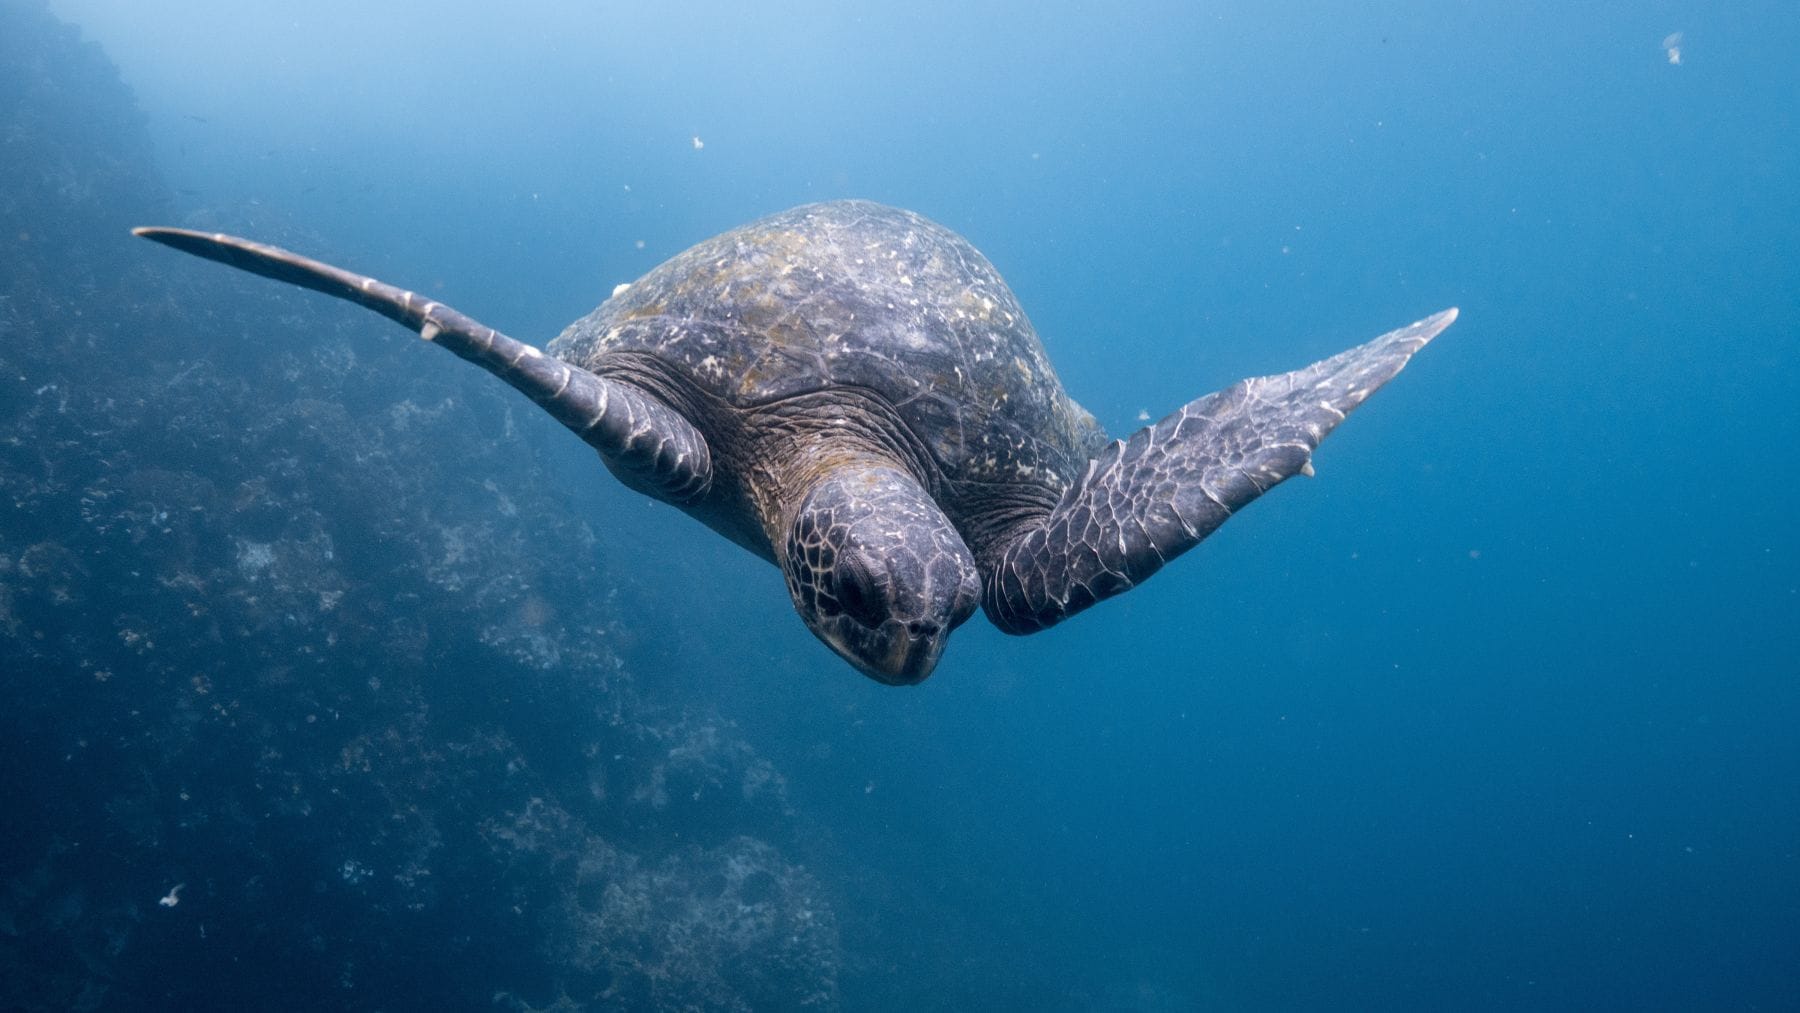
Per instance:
(1672,46)
(173,897)
(698,143)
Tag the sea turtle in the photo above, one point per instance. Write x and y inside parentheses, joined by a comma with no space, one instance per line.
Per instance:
(851,392)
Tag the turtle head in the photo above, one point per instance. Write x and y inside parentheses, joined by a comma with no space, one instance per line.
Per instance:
(878,572)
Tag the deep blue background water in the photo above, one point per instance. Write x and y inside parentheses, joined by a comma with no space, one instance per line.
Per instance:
(1495,713)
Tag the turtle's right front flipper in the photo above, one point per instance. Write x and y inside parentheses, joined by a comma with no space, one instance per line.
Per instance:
(638,435)
(1146,500)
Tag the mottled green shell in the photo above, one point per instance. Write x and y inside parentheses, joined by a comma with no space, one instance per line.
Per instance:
(853,293)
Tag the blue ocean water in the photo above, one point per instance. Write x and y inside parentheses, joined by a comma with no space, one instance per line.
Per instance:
(1494,713)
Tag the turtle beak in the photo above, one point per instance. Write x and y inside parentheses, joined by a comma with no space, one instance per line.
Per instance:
(891,655)
(909,661)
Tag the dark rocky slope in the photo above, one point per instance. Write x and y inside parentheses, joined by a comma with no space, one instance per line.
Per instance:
(273,625)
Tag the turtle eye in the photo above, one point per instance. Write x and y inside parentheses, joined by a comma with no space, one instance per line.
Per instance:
(856,592)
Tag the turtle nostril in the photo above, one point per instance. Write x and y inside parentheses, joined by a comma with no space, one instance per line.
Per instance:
(921,628)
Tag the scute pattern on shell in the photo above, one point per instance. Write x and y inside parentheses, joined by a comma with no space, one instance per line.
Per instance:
(854,293)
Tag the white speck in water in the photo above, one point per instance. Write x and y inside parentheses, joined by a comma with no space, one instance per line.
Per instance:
(1672,46)
(173,897)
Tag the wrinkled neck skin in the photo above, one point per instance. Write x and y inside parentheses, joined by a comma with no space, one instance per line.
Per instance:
(875,569)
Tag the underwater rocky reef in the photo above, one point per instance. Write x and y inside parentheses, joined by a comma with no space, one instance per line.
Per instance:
(313,698)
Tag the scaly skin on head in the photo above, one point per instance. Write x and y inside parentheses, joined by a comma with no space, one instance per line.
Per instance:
(878,572)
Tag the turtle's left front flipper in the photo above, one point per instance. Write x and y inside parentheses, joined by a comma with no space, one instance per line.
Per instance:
(1146,500)
(639,436)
